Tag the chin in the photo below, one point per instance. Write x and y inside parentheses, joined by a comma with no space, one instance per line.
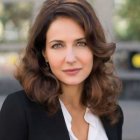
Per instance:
(73,83)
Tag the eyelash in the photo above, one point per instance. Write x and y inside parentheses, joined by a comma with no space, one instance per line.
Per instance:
(81,43)
(55,46)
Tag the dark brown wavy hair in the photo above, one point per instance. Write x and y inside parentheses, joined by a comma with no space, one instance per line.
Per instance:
(101,88)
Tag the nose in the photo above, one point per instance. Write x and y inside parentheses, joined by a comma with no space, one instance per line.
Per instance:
(70,56)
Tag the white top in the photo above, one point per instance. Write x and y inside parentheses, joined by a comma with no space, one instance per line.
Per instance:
(96,130)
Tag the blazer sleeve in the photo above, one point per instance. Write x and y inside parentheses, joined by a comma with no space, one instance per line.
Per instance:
(13,125)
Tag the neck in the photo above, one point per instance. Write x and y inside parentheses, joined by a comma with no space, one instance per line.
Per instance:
(71,95)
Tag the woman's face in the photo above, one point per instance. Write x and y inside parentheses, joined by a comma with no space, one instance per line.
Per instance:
(67,53)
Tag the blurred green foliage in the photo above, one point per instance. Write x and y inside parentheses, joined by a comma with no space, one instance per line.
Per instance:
(17,14)
(129,13)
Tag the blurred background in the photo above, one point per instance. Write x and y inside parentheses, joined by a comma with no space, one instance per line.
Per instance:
(121,21)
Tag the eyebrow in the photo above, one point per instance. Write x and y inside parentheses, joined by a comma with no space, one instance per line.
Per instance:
(60,41)
(53,41)
(80,39)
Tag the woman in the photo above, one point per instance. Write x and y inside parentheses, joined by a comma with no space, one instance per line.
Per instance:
(70,90)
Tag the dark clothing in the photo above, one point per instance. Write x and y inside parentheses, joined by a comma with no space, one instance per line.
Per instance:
(22,119)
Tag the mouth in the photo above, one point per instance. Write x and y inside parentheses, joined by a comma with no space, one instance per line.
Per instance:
(72,71)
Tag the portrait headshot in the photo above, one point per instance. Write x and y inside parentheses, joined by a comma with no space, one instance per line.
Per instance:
(70,86)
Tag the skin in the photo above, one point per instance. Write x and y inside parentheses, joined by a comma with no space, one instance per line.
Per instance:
(71,61)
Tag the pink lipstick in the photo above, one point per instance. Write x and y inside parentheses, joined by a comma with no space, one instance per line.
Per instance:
(72,72)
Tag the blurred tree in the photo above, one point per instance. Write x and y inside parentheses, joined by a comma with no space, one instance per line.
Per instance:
(129,16)
(17,13)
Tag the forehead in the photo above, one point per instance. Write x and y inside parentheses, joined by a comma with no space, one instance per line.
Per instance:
(64,26)
(62,19)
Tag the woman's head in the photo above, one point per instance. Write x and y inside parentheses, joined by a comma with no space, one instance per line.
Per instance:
(81,12)
(39,81)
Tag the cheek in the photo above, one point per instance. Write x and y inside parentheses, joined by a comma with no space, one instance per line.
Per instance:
(90,63)
(88,58)
(54,63)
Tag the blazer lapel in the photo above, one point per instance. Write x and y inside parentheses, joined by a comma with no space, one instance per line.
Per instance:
(58,127)
(60,132)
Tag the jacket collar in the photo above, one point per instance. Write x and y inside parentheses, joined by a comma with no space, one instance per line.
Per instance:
(57,121)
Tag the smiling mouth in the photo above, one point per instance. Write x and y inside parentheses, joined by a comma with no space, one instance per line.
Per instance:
(72,71)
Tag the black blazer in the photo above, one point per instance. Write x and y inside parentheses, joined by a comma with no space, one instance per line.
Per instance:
(22,119)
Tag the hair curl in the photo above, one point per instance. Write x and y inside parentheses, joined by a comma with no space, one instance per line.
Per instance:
(101,88)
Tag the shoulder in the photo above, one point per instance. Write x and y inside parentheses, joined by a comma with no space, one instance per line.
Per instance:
(13,116)
(14,104)
(17,108)
(119,119)
(120,115)
(18,99)
(119,123)
(20,95)
(114,130)
(18,102)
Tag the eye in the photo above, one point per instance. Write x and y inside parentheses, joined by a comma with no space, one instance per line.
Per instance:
(57,45)
(82,44)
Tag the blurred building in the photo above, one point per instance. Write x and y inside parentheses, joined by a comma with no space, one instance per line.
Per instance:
(16,17)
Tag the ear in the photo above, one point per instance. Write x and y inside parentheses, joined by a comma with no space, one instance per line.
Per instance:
(45,56)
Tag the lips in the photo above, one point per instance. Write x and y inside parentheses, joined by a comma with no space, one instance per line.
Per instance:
(72,71)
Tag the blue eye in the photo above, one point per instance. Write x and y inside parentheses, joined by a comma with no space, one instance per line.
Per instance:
(55,46)
(82,44)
